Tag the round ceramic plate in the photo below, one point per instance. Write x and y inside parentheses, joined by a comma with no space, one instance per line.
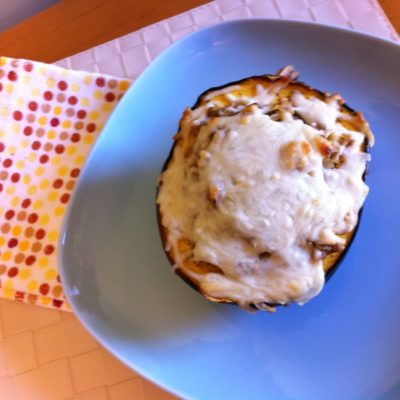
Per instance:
(344,344)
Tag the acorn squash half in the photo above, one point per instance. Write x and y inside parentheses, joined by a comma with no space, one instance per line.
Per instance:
(262,193)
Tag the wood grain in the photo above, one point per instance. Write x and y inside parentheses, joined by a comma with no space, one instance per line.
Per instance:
(392,10)
(72,26)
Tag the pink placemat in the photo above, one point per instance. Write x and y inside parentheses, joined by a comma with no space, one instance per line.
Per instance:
(54,115)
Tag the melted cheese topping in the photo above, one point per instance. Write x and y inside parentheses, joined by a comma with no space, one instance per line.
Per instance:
(255,199)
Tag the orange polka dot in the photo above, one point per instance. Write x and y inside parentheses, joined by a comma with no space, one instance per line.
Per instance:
(26,179)
(12,150)
(6,256)
(4,111)
(10,88)
(38,204)
(16,128)
(80,160)
(24,245)
(16,230)
(25,273)
(20,165)
(50,82)
(45,300)
(8,284)
(32,190)
(53,196)
(71,150)
(94,115)
(32,157)
(88,79)
(15,201)
(42,121)
(11,189)
(44,184)
(98,94)
(107,107)
(44,219)
(39,171)
(51,134)
(89,139)
(57,291)
(33,285)
(59,211)
(124,85)
(63,171)
(43,262)
(66,124)
(85,102)
(51,273)
(57,110)
(56,160)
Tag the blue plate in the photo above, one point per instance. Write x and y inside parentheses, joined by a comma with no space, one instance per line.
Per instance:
(344,344)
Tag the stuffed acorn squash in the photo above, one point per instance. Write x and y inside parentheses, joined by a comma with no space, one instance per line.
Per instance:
(262,192)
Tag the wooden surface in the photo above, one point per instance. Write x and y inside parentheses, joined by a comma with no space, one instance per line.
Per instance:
(73,26)
(392,10)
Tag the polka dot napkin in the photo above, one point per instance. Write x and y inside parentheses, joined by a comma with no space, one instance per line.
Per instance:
(50,118)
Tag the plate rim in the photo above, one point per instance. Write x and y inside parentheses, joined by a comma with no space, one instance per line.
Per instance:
(65,227)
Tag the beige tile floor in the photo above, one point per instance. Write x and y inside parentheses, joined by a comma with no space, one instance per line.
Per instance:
(47,354)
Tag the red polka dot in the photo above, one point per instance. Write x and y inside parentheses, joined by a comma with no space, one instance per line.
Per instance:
(28,67)
(44,289)
(30,260)
(76,137)
(32,218)
(40,234)
(36,145)
(48,95)
(12,272)
(15,177)
(33,106)
(72,100)
(57,303)
(3,175)
(12,243)
(54,122)
(1,187)
(2,147)
(59,149)
(100,82)
(12,76)
(62,85)
(110,96)
(81,114)
(7,163)
(10,214)
(65,198)
(17,115)
(28,131)
(91,127)
(44,158)
(26,203)
(49,249)
(1,86)
(58,183)
(75,173)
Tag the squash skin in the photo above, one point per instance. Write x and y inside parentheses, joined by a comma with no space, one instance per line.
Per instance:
(350,236)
